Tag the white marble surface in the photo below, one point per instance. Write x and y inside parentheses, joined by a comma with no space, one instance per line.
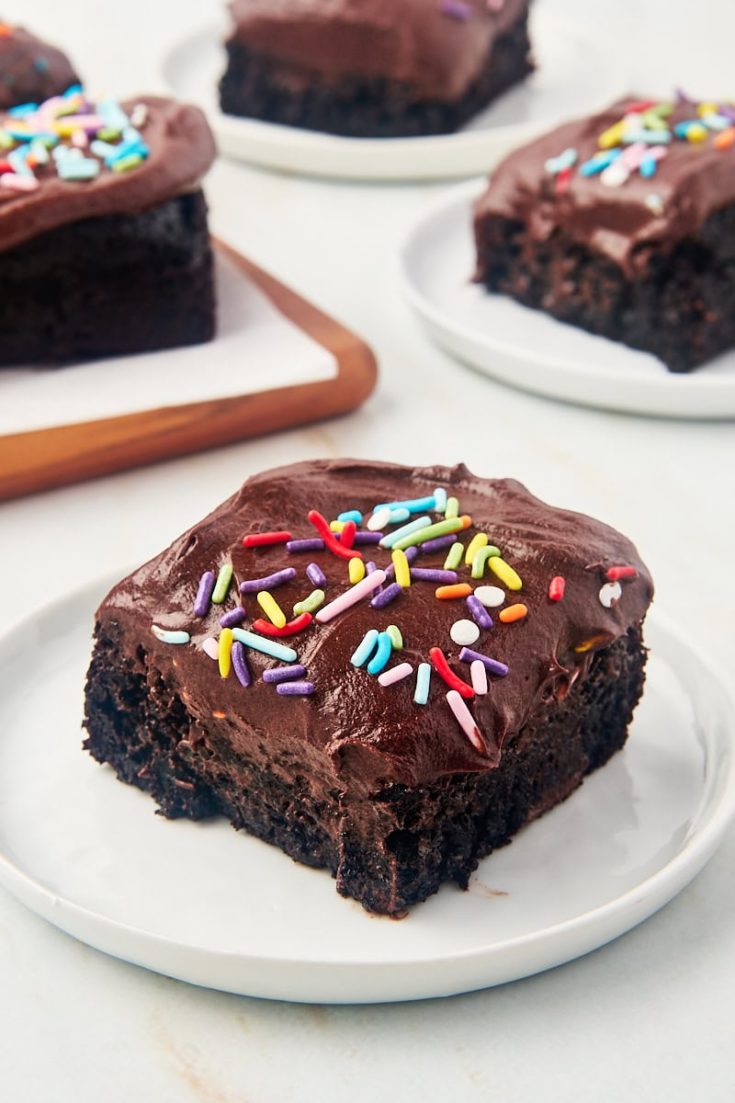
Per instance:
(646,1018)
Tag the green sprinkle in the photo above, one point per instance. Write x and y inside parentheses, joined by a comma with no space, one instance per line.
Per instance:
(222,585)
(441,528)
(478,563)
(452,509)
(108,134)
(6,142)
(126,163)
(310,604)
(454,557)
(395,636)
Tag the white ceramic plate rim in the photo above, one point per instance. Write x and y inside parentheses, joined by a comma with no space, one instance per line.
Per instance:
(440,156)
(597,925)
(448,329)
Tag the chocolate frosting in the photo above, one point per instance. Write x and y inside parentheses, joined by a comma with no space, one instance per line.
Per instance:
(693,181)
(436,47)
(181,150)
(31,70)
(368,731)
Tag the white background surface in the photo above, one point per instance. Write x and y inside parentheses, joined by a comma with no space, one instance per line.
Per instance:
(646,1018)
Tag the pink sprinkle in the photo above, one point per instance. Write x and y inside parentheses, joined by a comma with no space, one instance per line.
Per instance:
(79,139)
(631,157)
(351,597)
(396,674)
(478,675)
(18,183)
(211,647)
(466,721)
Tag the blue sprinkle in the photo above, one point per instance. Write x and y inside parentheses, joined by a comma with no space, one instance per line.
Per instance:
(382,654)
(648,167)
(365,648)
(423,683)
(351,515)
(78,168)
(22,110)
(600,161)
(650,137)
(73,90)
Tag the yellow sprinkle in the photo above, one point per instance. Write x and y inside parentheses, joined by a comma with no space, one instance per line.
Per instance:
(589,644)
(704,109)
(697,132)
(271,608)
(452,509)
(505,573)
(479,540)
(403,570)
(356,569)
(336,526)
(612,136)
(224,652)
(512,613)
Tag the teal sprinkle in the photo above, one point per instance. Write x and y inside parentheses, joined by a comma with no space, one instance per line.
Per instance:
(423,684)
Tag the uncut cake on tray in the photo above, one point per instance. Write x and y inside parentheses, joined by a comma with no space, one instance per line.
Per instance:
(385,671)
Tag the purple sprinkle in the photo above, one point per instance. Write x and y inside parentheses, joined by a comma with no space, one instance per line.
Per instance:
(478,612)
(430,575)
(305,545)
(467,655)
(235,616)
(295,689)
(316,575)
(438,543)
(253,585)
(390,593)
(204,593)
(240,664)
(370,567)
(284,673)
(456,9)
(365,537)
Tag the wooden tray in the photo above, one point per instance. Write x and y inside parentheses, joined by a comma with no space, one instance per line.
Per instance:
(44,458)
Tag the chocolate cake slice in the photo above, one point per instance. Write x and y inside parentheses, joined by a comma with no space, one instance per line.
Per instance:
(372,68)
(104,247)
(622,223)
(384,671)
(31,70)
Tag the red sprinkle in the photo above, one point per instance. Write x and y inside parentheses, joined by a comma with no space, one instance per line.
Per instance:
(562,181)
(261,539)
(298,624)
(615,573)
(441,666)
(556,588)
(638,106)
(330,541)
(347,536)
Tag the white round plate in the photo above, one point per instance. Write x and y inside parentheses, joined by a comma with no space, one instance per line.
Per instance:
(206,904)
(570,71)
(528,348)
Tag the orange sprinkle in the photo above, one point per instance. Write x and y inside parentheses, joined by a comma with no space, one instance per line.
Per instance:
(725,138)
(459,589)
(219,715)
(512,613)
(5,30)
(466,519)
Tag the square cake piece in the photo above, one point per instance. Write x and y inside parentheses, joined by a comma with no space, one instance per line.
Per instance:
(622,223)
(373,68)
(385,671)
(104,246)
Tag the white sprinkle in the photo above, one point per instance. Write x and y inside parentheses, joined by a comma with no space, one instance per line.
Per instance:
(139,115)
(379,520)
(655,203)
(395,674)
(478,675)
(464,632)
(490,596)
(210,647)
(610,594)
(614,175)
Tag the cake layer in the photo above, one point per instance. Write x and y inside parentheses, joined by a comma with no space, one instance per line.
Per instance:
(93,288)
